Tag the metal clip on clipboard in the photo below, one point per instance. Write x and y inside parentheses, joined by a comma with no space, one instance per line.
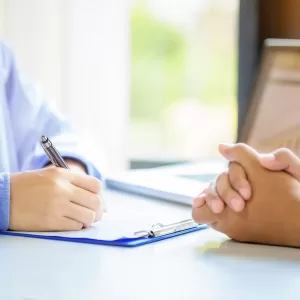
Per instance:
(160,229)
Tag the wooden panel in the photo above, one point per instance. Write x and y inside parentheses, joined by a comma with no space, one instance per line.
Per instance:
(259,20)
(279,19)
(289,19)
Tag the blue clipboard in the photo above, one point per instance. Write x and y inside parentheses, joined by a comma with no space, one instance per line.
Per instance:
(159,233)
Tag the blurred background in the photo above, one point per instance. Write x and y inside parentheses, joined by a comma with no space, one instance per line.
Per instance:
(152,82)
(183,77)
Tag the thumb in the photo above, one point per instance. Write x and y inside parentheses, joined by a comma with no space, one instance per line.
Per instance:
(240,153)
(282,160)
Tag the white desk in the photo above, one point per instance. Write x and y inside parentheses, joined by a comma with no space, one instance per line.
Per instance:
(202,265)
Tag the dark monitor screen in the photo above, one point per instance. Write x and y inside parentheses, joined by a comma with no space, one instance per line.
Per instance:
(273,118)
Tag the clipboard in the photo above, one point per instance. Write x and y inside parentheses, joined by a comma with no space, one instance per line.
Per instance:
(155,233)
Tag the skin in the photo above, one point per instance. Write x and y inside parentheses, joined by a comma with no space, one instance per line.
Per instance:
(270,212)
(237,190)
(54,199)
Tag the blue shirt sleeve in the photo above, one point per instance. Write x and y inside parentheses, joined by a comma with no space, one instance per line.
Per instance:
(33,116)
(4,200)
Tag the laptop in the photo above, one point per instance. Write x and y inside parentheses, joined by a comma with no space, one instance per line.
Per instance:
(272,121)
(179,183)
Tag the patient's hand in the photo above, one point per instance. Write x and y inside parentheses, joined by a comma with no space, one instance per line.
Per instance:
(233,188)
(272,214)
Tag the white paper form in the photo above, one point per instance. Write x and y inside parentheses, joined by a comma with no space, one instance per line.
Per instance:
(106,229)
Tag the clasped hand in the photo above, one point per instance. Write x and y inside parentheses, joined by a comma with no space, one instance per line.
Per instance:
(257,199)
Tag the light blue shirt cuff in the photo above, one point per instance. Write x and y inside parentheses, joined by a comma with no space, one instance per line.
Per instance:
(4,200)
(42,160)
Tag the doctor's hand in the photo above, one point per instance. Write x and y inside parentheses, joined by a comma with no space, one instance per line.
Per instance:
(271,215)
(232,187)
(53,199)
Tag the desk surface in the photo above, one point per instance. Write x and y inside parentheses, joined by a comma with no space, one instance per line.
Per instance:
(202,265)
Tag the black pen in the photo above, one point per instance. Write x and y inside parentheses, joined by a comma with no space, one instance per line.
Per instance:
(52,153)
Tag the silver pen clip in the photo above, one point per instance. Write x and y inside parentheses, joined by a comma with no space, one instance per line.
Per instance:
(161,229)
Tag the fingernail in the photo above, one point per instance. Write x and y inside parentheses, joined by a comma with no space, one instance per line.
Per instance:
(245,193)
(223,148)
(237,204)
(199,201)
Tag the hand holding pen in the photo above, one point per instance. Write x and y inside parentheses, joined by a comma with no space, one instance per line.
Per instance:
(54,199)
(56,158)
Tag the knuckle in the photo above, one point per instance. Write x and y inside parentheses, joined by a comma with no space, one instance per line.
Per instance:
(211,188)
(283,153)
(90,219)
(98,201)
(97,185)
(236,174)
(223,186)
(95,201)
(53,185)
(226,194)
(94,183)
(234,166)
(55,173)
(222,177)
(211,194)
(58,189)
(240,148)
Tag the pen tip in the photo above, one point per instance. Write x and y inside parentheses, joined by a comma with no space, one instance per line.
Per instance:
(44,139)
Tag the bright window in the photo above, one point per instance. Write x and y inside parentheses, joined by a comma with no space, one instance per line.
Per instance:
(183,78)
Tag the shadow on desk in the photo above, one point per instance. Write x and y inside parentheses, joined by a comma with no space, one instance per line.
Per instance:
(230,248)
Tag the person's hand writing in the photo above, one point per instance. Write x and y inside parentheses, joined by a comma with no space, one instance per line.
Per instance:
(54,199)
(78,167)
(271,215)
